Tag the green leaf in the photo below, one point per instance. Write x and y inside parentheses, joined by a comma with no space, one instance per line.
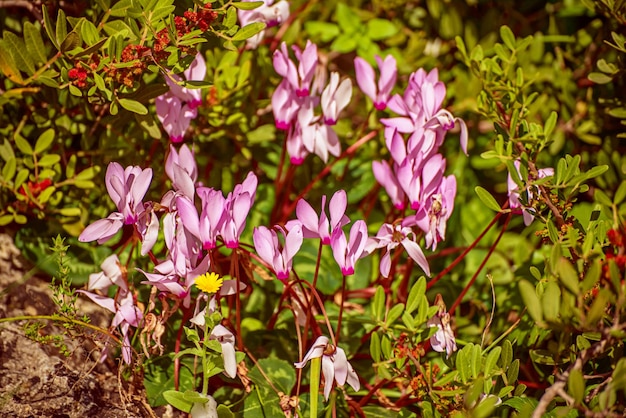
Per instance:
(93,48)
(375,350)
(324,31)
(121,8)
(598,308)
(492,360)
(177,400)
(550,124)
(61,28)
(88,173)
(44,141)
(601,197)
(281,373)
(347,19)
(8,66)
(133,106)
(46,194)
(463,363)
(231,17)
(70,212)
(507,354)
(150,125)
(415,294)
(379,29)
(507,37)
(195,397)
(618,112)
(21,177)
(20,54)
(394,313)
(620,194)
(23,145)
(34,43)
(599,78)
(75,91)
(513,371)
(344,43)
(49,160)
(551,300)
(487,199)
(531,300)
(89,33)
(224,412)
(249,31)
(378,306)
(71,41)
(521,404)
(576,385)
(475,360)
(568,275)
(50,28)
(247,5)
(8,171)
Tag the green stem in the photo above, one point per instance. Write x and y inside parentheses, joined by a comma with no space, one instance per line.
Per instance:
(316,369)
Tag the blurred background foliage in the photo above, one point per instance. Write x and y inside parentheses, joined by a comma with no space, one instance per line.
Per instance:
(548,86)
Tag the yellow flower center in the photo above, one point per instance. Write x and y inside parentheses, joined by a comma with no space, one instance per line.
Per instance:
(209,282)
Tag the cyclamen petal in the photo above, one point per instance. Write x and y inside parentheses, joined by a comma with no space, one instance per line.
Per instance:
(335,98)
(103,229)
(227,341)
(378,92)
(346,253)
(335,366)
(365,77)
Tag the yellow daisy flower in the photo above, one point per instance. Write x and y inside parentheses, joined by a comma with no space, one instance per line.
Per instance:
(209,282)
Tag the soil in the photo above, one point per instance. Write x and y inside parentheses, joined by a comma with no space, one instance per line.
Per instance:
(38,380)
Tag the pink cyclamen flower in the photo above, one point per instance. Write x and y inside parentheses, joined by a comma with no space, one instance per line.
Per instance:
(390,237)
(365,78)
(285,105)
(335,365)
(320,227)
(347,252)
(386,178)
(335,97)
(514,192)
(237,205)
(227,340)
(123,305)
(278,256)
(443,340)
(317,137)
(270,13)
(174,115)
(300,77)
(127,188)
(432,218)
(181,168)
(176,108)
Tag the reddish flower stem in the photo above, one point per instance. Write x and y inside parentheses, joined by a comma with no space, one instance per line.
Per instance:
(456,261)
(179,335)
(473,279)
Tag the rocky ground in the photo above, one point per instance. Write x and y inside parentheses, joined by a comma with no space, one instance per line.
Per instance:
(37,380)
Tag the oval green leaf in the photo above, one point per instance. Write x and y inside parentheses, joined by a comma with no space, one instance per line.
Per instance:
(487,199)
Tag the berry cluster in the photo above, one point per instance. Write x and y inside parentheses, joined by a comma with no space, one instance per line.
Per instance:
(78,75)
(135,58)
(616,252)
